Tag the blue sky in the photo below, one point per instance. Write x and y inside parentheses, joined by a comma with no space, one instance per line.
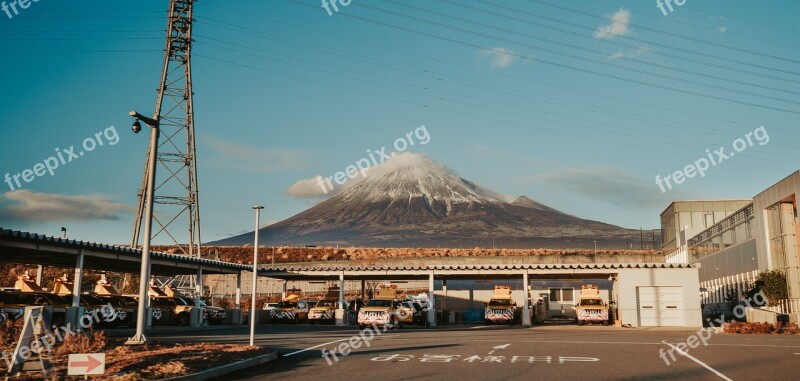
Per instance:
(578,105)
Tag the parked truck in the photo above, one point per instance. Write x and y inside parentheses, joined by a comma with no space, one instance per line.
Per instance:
(501,307)
(325,309)
(291,308)
(591,308)
(385,309)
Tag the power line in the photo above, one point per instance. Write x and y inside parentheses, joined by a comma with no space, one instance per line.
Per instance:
(439,77)
(649,149)
(339,70)
(618,43)
(552,63)
(668,33)
(466,67)
(632,38)
(701,27)
(682,70)
(77,39)
(78,51)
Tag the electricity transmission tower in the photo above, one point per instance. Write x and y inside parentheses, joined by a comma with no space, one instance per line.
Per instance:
(175,195)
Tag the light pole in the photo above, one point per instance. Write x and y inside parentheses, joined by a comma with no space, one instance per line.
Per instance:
(255,278)
(595,251)
(139,337)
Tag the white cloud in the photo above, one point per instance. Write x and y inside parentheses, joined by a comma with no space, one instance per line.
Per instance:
(240,157)
(30,206)
(619,25)
(721,29)
(612,185)
(308,188)
(500,57)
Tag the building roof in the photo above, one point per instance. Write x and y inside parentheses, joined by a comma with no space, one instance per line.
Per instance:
(38,249)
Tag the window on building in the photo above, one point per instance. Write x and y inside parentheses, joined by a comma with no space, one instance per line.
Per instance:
(561,295)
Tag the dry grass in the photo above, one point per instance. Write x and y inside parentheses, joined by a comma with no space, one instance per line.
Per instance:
(244,254)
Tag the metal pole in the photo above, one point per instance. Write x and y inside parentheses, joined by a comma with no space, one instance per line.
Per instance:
(595,251)
(139,337)
(39,274)
(431,299)
(340,317)
(255,279)
(239,290)
(76,282)
(526,306)
(198,291)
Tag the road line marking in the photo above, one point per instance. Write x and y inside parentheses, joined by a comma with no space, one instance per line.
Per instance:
(722,376)
(314,347)
(504,346)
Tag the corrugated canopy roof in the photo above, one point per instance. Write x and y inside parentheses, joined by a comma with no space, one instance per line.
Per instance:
(37,249)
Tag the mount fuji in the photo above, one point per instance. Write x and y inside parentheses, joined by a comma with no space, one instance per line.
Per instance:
(413,201)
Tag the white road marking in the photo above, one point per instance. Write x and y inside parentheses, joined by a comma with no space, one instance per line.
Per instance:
(314,347)
(504,346)
(722,376)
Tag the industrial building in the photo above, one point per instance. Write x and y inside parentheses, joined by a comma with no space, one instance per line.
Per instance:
(732,241)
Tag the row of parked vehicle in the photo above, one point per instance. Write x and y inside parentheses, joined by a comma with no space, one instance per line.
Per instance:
(385,308)
(167,307)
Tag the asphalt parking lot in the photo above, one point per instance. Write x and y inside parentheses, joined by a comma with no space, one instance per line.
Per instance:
(509,353)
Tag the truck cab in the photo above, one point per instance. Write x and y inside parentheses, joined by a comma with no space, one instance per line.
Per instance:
(591,308)
(501,307)
(382,309)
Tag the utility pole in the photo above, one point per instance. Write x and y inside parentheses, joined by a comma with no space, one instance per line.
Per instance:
(176,192)
(641,239)
(654,239)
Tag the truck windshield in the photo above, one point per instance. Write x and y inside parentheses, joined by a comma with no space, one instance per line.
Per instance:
(591,302)
(500,302)
(379,303)
(287,304)
(326,303)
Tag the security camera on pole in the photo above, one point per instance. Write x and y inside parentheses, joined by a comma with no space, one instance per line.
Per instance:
(144,272)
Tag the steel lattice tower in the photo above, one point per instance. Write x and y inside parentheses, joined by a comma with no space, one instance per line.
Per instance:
(175,192)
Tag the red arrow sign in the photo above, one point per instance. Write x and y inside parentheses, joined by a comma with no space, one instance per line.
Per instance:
(90,363)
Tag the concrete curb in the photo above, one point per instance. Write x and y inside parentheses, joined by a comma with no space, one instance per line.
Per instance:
(225,369)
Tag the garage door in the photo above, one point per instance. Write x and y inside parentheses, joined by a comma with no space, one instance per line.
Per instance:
(661,307)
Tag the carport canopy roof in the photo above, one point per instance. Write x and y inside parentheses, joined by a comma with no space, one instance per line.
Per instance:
(470,271)
(35,249)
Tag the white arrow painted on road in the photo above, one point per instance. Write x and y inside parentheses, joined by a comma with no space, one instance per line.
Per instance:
(504,346)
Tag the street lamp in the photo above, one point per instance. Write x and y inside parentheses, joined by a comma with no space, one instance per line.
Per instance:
(139,337)
(255,277)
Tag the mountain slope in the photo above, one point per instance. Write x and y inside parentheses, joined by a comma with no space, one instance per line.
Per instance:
(413,201)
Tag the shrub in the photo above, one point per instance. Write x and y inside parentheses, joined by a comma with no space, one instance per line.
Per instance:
(774,286)
(761,328)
